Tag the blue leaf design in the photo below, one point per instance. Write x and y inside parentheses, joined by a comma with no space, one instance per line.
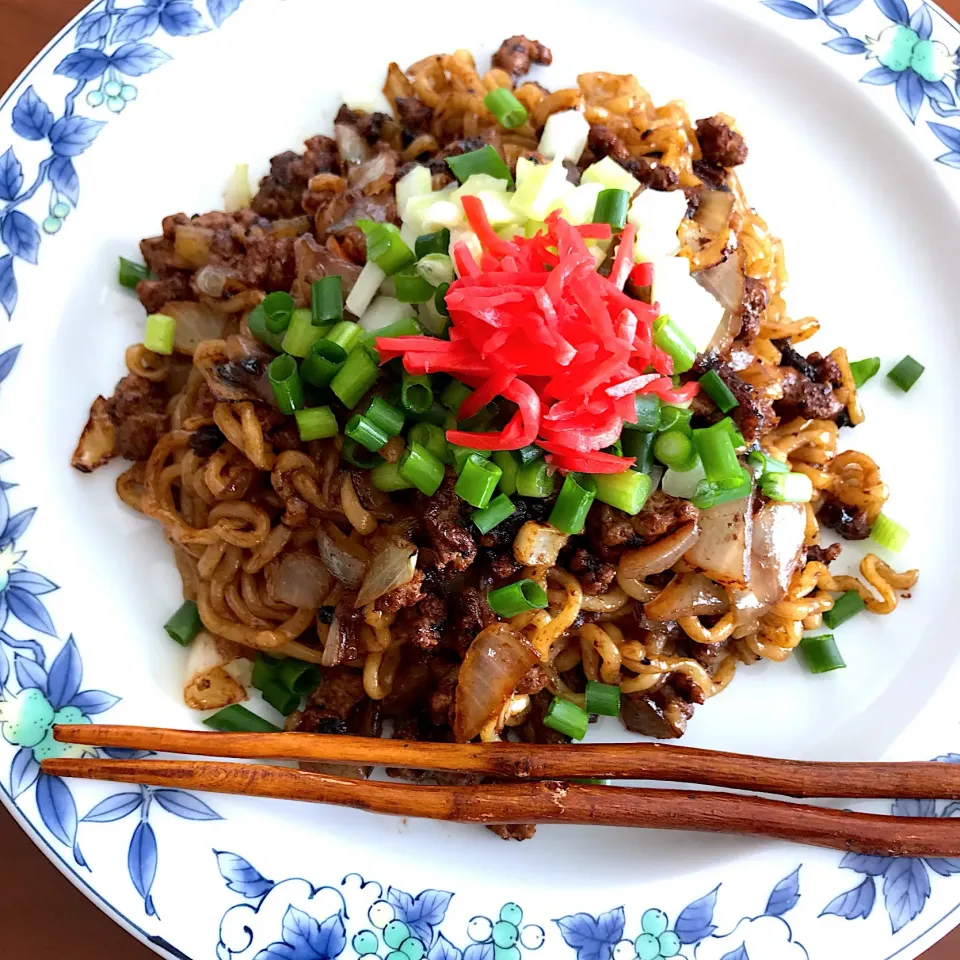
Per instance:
(4,511)
(30,674)
(63,175)
(7,359)
(57,809)
(136,59)
(21,235)
(910,94)
(739,954)
(70,136)
(278,951)
(219,10)
(115,807)
(11,175)
(423,913)
(84,64)
(849,45)
(695,922)
(791,9)
(241,876)
(922,23)
(142,862)
(938,92)
(880,77)
(915,808)
(180,19)
(30,611)
(855,904)
(949,137)
(92,702)
(185,805)
(948,757)
(311,940)
(402,902)
(32,118)
(23,772)
(480,951)
(32,582)
(784,896)
(66,672)
(839,7)
(93,27)
(136,23)
(943,866)
(122,753)
(895,10)
(592,937)
(906,887)
(443,949)
(15,528)
(4,670)
(30,645)
(8,285)
(866,863)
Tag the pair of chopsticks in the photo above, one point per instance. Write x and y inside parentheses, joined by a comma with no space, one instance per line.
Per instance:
(537,785)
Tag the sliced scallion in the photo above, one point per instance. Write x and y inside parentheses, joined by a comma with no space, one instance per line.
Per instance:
(285,380)
(495,512)
(718,391)
(847,605)
(889,534)
(317,423)
(906,373)
(326,300)
(627,491)
(821,654)
(517,598)
(603,698)
(159,333)
(863,370)
(238,719)
(569,513)
(508,110)
(485,160)
(185,624)
(478,480)
(567,718)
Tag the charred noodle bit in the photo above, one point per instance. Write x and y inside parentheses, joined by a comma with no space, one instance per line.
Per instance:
(277,538)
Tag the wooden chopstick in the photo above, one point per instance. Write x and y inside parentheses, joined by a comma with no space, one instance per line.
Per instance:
(625,761)
(547,801)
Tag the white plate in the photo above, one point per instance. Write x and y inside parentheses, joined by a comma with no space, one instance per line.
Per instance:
(860,178)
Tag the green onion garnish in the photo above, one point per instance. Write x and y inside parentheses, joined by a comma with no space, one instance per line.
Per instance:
(485,160)
(278,311)
(716,452)
(440,299)
(454,393)
(297,675)
(263,671)
(421,468)
(648,413)
(718,391)
(763,464)
(821,654)
(358,456)
(386,416)
(301,335)
(282,699)
(535,480)
(366,433)
(185,624)
(612,207)
(889,534)
(237,719)
(317,423)
(639,444)
(675,418)
(386,477)
(847,605)
(346,334)
(478,480)
(672,340)
(569,513)
(509,468)
(494,513)
(432,437)
(257,322)
(285,380)
(676,450)
(906,373)
(326,300)
(130,274)
(517,598)
(508,110)
(436,268)
(411,287)
(436,414)
(460,456)
(529,453)
(567,718)
(354,378)
(159,334)
(603,698)
(863,370)
(627,491)
(416,392)
(385,247)
(712,493)
(787,487)
(427,243)
(323,360)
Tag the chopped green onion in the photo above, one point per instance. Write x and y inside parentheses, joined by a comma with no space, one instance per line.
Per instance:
(454,393)
(317,423)
(517,598)
(386,416)
(567,718)
(257,322)
(821,654)
(301,335)
(416,392)
(718,391)
(237,719)
(481,420)
(638,444)
(889,534)
(404,327)
(671,339)
(494,513)
(508,110)
(437,414)
(535,480)
(326,300)
(675,450)
(616,448)
(428,243)
(411,286)
(432,437)
(436,268)
(735,435)
(440,299)
(675,418)
(863,370)
(386,477)
(285,380)
(264,671)
(419,466)
(358,456)
(323,360)
(509,468)
(530,452)
(612,207)
(478,480)
(847,605)
(278,311)
(385,247)
(716,452)
(130,274)
(366,433)
(712,493)
(627,491)
(354,378)
(159,334)
(906,373)
(282,699)
(569,513)
(297,675)
(460,456)
(787,487)
(485,160)
(185,624)
(763,464)
(603,698)
(346,334)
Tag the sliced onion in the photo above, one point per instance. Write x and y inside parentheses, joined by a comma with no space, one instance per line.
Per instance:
(749,609)
(212,279)
(374,175)
(207,684)
(365,289)
(196,322)
(496,662)
(348,568)
(538,544)
(778,535)
(98,442)
(351,146)
(714,211)
(192,244)
(725,282)
(298,579)
(636,589)
(314,262)
(237,195)
(660,555)
(392,567)
(383,312)
(723,550)
(688,595)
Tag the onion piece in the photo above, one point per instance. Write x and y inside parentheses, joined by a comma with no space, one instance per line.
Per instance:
(778,535)
(495,663)
(538,544)
(98,442)
(374,175)
(383,312)
(348,567)
(299,579)
(660,555)
(207,684)
(340,645)
(351,146)
(212,280)
(723,550)
(237,195)
(192,244)
(725,282)
(564,136)
(392,567)
(365,289)
(688,595)
(196,322)
(714,212)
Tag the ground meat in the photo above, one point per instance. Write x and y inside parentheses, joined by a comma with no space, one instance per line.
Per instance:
(514,831)
(422,624)
(414,114)
(503,534)
(156,294)
(806,398)
(516,54)
(319,720)
(661,714)
(720,143)
(824,555)
(368,125)
(573,172)
(339,691)
(405,596)
(610,531)
(595,575)
(281,191)
(269,263)
(471,614)
(713,176)
(790,358)
(286,437)
(827,370)
(137,410)
(442,698)
(456,148)
(447,527)
(206,440)
(754,414)
(754,302)
(852,523)
(662,514)
(504,565)
(653,174)
(533,681)
(533,729)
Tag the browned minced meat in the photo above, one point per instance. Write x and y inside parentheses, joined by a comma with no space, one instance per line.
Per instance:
(807,398)
(471,613)
(754,414)
(138,410)
(852,523)
(533,681)
(368,125)
(595,575)
(533,729)
(754,302)
(824,555)
(720,143)
(514,831)
(826,369)
(611,531)
(156,294)
(662,714)
(445,677)
(603,142)
(516,54)
(404,596)
(712,175)
(414,114)
(206,440)
(339,691)
(504,565)
(281,191)
(422,624)
(446,523)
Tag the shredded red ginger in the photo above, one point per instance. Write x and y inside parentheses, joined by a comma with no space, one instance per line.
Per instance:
(535,322)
